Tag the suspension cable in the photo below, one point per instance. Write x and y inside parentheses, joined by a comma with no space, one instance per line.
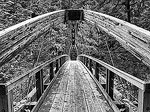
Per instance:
(35,64)
(119,79)
(109,52)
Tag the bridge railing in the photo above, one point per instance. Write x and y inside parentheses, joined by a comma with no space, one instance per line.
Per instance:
(17,93)
(15,38)
(109,82)
(133,38)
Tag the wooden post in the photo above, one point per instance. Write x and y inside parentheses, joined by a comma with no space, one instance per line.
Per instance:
(110,83)
(84,60)
(51,71)
(87,62)
(144,99)
(90,66)
(6,99)
(57,66)
(60,62)
(39,83)
(128,10)
(97,71)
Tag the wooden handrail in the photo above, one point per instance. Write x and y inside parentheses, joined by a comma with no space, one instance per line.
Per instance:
(28,22)
(133,38)
(133,80)
(143,87)
(7,89)
(14,82)
(15,38)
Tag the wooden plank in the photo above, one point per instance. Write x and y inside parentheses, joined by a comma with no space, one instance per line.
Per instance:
(77,92)
(89,95)
(69,105)
(58,103)
(96,100)
(100,88)
(72,93)
(80,101)
(46,100)
(133,80)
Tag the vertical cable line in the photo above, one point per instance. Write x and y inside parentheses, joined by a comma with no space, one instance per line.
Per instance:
(35,64)
(118,78)
(109,51)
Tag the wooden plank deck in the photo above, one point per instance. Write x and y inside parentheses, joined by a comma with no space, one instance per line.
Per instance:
(74,91)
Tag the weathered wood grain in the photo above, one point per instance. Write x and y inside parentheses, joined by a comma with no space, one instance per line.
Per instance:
(133,80)
(76,92)
(18,80)
(52,90)
(133,38)
(14,39)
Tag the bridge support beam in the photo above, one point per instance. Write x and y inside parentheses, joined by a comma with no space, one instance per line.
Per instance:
(57,66)
(6,99)
(60,62)
(144,99)
(51,71)
(84,60)
(97,71)
(39,83)
(110,83)
(87,62)
(90,66)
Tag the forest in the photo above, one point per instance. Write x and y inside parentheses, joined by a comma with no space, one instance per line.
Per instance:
(90,40)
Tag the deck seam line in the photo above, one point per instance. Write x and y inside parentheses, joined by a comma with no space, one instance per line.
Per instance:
(85,73)
(58,86)
(83,91)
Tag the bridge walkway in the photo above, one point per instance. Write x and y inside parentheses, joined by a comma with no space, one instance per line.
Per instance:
(74,90)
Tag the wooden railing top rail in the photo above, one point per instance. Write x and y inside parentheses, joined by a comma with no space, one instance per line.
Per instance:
(16,81)
(133,80)
(29,21)
(133,38)
(116,20)
(15,38)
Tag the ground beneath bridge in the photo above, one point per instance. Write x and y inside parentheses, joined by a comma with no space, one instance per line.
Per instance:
(74,91)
